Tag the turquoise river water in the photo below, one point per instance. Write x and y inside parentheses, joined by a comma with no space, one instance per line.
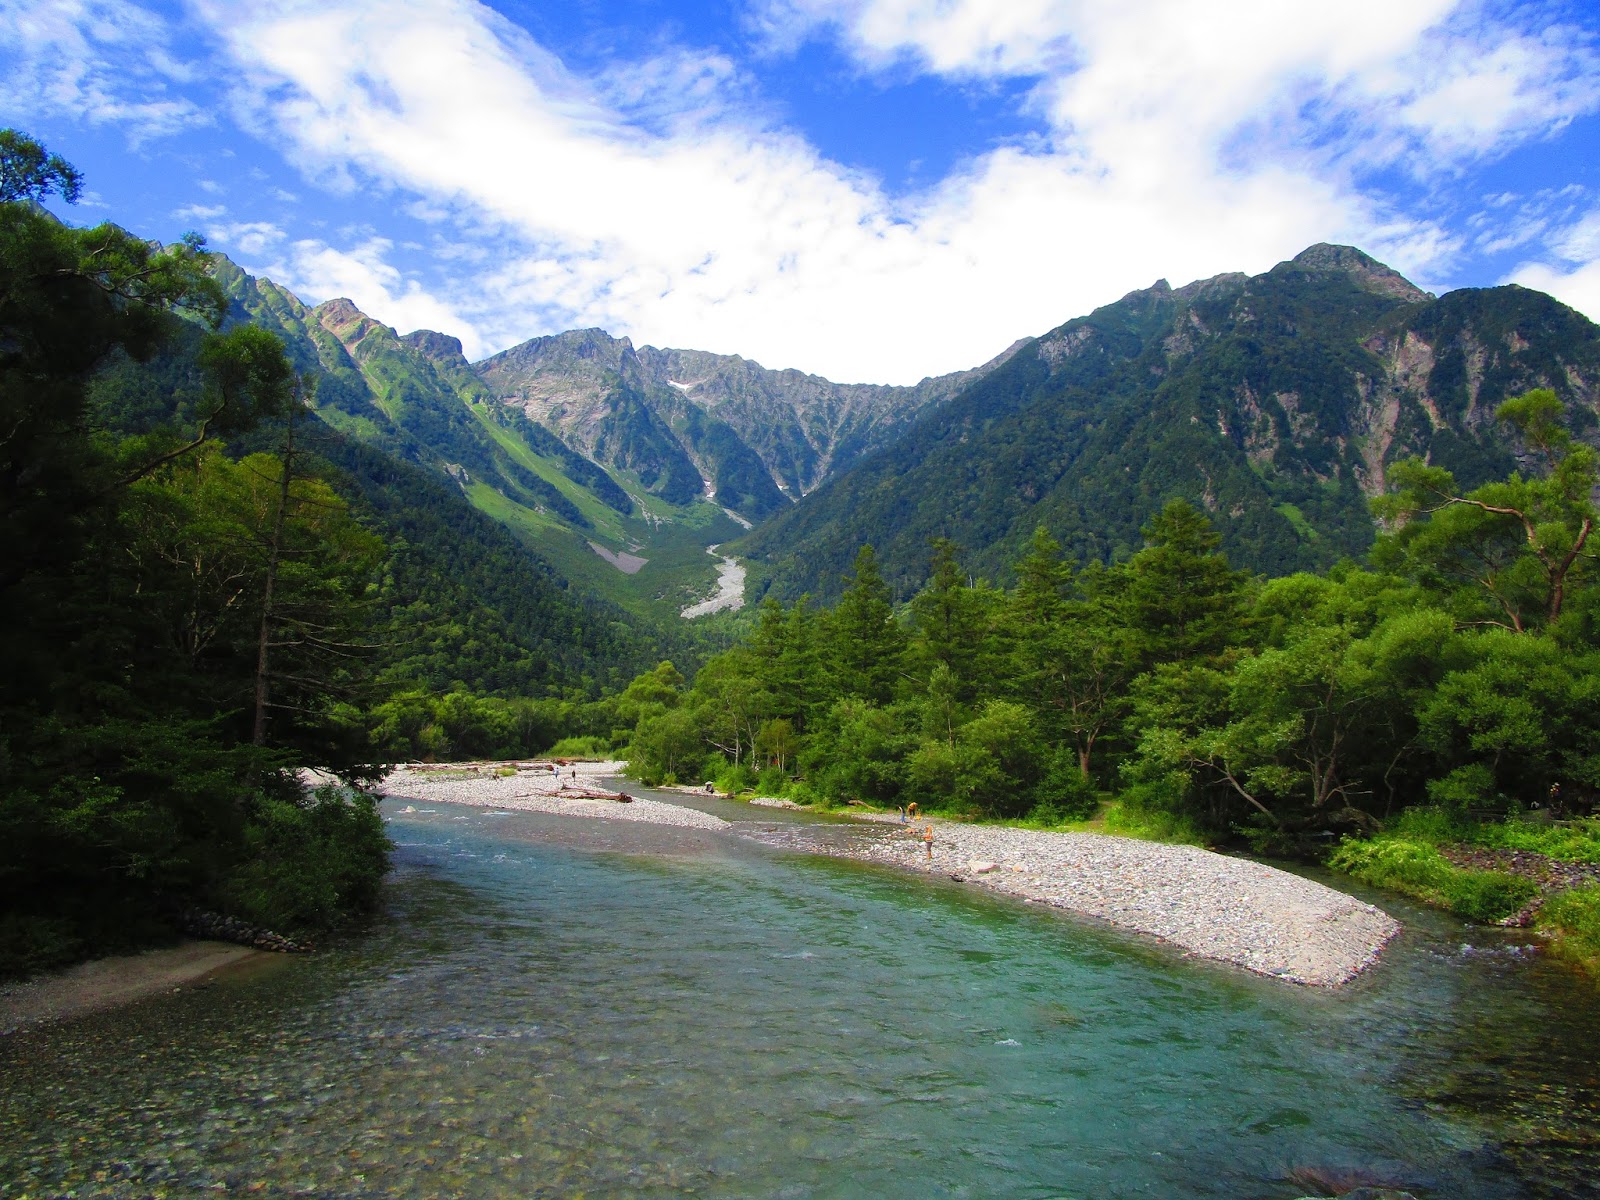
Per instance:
(553,1008)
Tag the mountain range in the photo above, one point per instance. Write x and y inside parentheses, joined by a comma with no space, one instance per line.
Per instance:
(617,465)
(1275,402)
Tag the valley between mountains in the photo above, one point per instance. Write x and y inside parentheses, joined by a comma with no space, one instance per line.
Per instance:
(1275,403)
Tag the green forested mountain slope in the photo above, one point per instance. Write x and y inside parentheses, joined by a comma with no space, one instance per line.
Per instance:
(1275,403)
(416,397)
(462,599)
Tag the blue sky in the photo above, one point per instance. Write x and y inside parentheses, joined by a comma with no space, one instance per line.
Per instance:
(874,190)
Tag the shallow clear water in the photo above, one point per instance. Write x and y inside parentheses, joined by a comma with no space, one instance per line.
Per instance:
(685,1013)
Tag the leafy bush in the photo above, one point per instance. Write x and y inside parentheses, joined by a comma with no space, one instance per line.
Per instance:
(417,725)
(962,778)
(310,861)
(1063,794)
(1574,917)
(1469,786)
(666,748)
(1125,819)
(858,752)
(1419,870)
(580,747)
(736,778)
(773,782)
(1578,841)
(1573,841)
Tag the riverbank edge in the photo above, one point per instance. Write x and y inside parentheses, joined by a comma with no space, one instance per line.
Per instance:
(1564,913)
(111,982)
(1569,929)
(1206,905)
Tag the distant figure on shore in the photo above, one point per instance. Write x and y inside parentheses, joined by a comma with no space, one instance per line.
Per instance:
(911,811)
(927,840)
(711,788)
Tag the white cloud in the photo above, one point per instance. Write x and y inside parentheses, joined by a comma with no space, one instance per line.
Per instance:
(1578,287)
(250,238)
(1129,77)
(200,212)
(106,61)
(1580,241)
(316,271)
(657,200)
(1574,276)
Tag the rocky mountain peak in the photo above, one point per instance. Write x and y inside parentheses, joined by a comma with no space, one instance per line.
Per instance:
(436,347)
(340,310)
(1368,273)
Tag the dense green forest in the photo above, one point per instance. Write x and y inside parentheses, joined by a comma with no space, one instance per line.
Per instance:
(205,590)
(1448,685)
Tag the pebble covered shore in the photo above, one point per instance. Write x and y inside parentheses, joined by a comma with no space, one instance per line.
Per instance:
(536,790)
(1211,905)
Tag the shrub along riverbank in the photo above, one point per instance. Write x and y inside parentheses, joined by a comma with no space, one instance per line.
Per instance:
(1533,872)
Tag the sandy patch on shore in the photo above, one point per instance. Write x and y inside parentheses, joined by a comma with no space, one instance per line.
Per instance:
(108,982)
(566,791)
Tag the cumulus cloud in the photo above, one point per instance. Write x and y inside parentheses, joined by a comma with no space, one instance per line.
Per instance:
(316,271)
(250,238)
(661,199)
(734,236)
(1577,286)
(1434,80)
(1574,276)
(107,61)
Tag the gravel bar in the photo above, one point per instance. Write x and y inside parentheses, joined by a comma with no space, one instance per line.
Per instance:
(1211,905)
(535,788)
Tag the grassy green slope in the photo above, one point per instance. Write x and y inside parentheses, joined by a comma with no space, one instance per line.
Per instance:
(417,398)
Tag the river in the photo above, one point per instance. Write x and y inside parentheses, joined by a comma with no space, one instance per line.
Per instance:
(558,1008)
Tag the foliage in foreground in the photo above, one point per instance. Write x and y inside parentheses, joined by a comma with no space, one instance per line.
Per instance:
(1418,869)
(1573,917)
(309,860)
(179,631)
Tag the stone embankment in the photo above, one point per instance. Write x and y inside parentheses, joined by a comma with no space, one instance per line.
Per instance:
(201,923)
(1211,905)
(570,789)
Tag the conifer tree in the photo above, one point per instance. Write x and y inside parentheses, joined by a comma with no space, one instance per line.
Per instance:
(1185,602)
(866,645)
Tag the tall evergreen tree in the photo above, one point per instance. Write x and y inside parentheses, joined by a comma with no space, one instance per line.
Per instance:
(867,646)
(1184,601)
